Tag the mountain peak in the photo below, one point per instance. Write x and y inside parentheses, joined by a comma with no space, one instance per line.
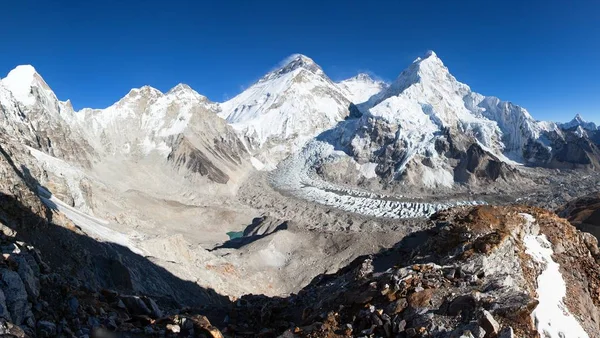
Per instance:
(426,69)
(363,77)
(181,87)
(292,63)
(20,80)
(22,72)
(578,121)
(142,92)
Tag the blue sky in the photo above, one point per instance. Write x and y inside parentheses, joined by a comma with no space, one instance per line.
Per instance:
(542,55)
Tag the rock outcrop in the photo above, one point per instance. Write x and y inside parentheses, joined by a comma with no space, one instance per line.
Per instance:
(478,272)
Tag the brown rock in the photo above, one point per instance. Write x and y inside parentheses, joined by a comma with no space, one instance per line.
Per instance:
(489,324)
(420,299)
(201,324)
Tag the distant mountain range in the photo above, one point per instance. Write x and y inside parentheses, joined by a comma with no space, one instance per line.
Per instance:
(424,128)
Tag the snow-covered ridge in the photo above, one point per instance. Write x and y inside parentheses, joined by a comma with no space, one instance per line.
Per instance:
(551,315)
(361,87)
(426,101)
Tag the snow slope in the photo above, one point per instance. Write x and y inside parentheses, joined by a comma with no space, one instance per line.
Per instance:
(287,107)
(551,315)
(361,87)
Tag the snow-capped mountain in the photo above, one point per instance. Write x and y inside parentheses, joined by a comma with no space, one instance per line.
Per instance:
(286,107)
(361,87)
(429,129)
(578,121)
(33,115)
(180,126)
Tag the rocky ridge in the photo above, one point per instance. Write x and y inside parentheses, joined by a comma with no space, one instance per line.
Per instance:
(476,273)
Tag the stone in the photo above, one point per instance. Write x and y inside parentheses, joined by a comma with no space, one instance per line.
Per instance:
(11,248)
(419,300)
(148,330)
(186,324)
(32,283)
(73,305)
(8,329)
(46,329)
(399,325)
(154,309)
(16,295)
(397,306)
(174,328)
(461,304)
(507,332)
(136,305)
(489,324)
(4,313)
(201,324)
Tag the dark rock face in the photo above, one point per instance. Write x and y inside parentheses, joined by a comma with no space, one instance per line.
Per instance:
(476,163)
(569,150)
(184,154)
(583,213)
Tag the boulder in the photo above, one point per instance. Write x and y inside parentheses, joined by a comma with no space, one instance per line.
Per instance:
(489,324)
(32,283)
(15,294)
(46,329)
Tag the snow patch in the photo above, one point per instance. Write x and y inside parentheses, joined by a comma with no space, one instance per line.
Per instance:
(552,317)
(368,170)
(256,163)
(92,226)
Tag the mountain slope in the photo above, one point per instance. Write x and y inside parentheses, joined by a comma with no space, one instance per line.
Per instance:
(180,127)
(285,108)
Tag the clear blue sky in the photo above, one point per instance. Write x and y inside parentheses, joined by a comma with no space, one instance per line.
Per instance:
(542,55)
